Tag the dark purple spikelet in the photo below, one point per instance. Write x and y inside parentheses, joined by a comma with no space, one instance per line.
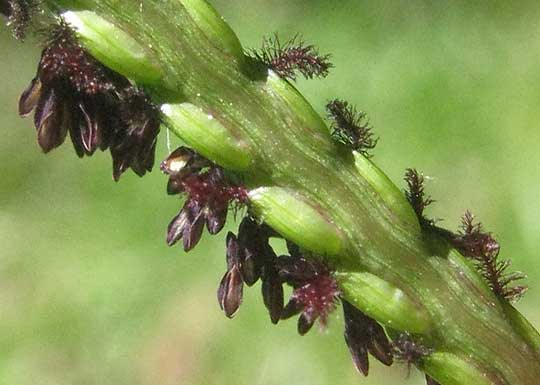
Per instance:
(350,128)
(272,290)
(253,239)
(408,351)
(431,381)
(19,14)
(362,335)
(74,93)
(250,257)
(259,262)
(291,57)
(209,194)
(416,195)
(255,248)
(473,242)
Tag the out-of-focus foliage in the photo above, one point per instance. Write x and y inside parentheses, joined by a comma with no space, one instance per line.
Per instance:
(90,293)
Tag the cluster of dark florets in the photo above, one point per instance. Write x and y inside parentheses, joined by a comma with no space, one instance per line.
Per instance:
(315,292)
(99,108)
(209,193)
(294,56)
(315,295)
(251,257)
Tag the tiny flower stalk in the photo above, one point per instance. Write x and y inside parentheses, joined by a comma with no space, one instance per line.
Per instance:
(255,141)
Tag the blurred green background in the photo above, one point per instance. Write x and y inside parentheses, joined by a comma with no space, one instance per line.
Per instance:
(90,293)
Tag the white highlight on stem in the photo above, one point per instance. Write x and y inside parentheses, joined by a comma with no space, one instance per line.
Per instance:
(166,109)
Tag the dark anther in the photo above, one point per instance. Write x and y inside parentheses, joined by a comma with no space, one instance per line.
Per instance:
(230,289)
(272,292)
(254,242)
(230,292)
(305,323)
(362,335)
(250,257)
(291,57)
(350,128)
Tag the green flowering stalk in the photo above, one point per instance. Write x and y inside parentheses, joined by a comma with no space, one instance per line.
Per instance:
(111,74)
